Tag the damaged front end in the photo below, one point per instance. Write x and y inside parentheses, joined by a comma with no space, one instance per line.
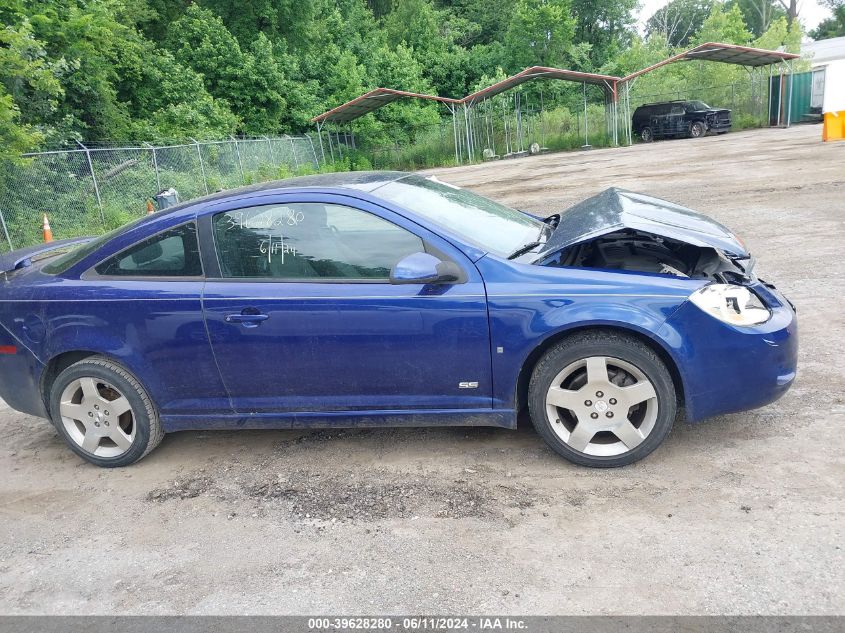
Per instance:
(622,230)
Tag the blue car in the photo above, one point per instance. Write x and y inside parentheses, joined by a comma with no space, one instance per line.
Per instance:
(392,299)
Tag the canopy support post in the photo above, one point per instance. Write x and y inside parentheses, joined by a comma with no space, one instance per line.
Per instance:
(320,137)
(468,134)
(789,103)
(586,144)
(769,98)
(542,121)
(451,109)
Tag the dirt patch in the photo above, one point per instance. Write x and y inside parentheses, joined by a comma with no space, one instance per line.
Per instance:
(371,495)
(186,488)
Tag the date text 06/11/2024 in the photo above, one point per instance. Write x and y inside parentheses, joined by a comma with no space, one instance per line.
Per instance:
(416,624)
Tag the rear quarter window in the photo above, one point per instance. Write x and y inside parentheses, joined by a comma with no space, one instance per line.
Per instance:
(171,253)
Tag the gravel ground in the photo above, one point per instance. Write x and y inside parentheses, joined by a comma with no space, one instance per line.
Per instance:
(742,514)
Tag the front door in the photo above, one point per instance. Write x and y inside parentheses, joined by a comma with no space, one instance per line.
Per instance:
(676,122)
(303,318)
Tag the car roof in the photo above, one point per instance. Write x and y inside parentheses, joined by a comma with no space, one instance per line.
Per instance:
(362,181)
(646,105)
(365,181)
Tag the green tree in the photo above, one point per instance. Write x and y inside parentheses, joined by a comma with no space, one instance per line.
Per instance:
(679,20)
(781,35)
(605,25)
(833,26)
(414,23)
(489,17)
(154,21)
(279,20)
(433,37)
(641,54)
(345,79)
(86,37)
(540,33)
(724,24)
(167,100)
(791,8)
(397,68)
(759,14)
(111,83)
(252,80)
(28,78)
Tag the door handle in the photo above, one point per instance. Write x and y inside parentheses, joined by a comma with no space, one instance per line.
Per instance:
(246,319)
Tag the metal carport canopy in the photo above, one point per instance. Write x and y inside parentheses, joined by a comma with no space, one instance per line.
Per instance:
(371,101)
(725,53)
(539,72)
(711,51)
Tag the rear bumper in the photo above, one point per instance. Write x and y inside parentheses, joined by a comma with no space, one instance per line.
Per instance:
(20,382)
(726,369)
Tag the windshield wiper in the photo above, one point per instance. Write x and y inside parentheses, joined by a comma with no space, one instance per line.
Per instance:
(549,224)
(524,249)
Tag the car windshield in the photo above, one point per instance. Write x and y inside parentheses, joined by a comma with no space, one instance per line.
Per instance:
(475,219)
(695,106)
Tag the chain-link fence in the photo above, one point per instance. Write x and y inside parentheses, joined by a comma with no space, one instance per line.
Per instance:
(90,190)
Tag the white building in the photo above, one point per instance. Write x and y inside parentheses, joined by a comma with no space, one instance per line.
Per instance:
(824,51)
(826,57)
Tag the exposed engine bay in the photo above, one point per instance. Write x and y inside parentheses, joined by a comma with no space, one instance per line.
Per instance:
(639,251)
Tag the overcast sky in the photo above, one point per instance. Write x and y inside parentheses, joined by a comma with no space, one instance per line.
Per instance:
(809,12)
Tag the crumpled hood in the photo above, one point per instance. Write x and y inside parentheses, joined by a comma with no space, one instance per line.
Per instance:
(615,209)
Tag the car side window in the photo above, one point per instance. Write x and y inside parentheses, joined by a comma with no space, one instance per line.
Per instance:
(171,253)
(677,109)
(311,240)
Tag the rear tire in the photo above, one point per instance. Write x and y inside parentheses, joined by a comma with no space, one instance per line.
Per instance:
(647,134)
(104,413)
(602,399)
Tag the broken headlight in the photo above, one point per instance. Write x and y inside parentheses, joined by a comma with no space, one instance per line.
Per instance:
(732,304)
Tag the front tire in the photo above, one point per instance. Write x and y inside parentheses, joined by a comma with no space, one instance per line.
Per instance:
(104,413)
(602,399)
(697,130)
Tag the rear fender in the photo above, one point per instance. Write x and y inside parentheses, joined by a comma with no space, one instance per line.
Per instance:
(84,333)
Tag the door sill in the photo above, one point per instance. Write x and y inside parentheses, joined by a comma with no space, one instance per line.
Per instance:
(502,418)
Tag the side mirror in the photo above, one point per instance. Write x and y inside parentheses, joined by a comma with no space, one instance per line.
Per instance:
(422,268)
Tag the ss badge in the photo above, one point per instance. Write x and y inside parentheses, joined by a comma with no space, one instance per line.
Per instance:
(468,385)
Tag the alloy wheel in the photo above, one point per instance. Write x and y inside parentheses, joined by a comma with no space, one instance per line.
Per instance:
(602,406)
(97,417)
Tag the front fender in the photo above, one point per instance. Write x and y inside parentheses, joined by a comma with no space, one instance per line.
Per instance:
(519,352)
(531,307)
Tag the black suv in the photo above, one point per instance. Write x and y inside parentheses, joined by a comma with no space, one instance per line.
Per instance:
(679,118)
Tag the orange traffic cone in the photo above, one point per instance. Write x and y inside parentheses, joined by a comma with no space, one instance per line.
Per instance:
(48,232)
(150,209)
